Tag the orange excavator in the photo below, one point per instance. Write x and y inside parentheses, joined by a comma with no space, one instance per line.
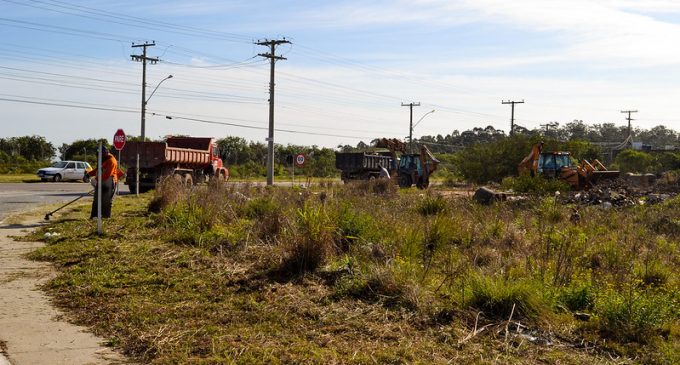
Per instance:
(411,168)
(558,165)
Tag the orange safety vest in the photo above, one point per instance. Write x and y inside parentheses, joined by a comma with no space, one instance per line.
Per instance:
(109,169)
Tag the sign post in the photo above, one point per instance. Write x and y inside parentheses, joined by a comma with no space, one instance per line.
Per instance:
(119,140)
(299,161)
(99,189)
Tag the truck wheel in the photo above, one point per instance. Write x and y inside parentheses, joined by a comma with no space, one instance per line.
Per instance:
(188,180)
(178,178)
(56,178)
(404,181)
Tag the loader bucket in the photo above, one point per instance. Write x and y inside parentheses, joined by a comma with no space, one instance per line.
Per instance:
(604,175)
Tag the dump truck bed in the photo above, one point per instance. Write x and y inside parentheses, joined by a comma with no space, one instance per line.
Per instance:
(153,154)
(360,161)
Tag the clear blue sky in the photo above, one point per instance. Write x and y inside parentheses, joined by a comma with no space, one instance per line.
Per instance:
(350,66)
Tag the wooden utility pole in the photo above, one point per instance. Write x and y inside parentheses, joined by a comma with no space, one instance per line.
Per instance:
(270,139)
(143,59)
(629,119)
(410,128)
(512,113)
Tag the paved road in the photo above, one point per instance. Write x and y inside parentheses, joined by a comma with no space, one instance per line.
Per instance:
(15,197)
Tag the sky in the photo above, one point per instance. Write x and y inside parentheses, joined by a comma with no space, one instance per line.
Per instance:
(66,71)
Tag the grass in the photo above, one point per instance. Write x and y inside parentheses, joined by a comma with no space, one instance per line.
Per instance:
(361,273)
(17,178)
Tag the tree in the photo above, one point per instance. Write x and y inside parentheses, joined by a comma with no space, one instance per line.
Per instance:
(30,148)
(635,161)
(82,149)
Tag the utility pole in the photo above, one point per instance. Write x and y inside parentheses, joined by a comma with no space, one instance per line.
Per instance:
(549,125)
(143,59)
(512,113)
(630,129)
(410,128)
(272,58)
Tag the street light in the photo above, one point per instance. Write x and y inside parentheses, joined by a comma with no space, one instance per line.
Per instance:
(143,128)
(415,125)
(154,90)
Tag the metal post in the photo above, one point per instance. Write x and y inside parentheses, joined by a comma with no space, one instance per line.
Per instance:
(99,189)
(137,174)
(118,180)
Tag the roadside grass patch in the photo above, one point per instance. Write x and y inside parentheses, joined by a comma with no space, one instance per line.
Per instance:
(209,278)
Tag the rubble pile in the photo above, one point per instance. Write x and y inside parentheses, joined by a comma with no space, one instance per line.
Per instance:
(620,193)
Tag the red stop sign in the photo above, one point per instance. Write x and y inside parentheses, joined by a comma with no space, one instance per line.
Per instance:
(119,139)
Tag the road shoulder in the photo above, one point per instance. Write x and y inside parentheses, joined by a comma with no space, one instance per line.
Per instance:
(32,330)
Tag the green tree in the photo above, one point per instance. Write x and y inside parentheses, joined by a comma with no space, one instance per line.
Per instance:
(635,161)
(83,149)
(30,148)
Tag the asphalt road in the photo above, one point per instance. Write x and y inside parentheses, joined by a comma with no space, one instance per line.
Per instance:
(15,197)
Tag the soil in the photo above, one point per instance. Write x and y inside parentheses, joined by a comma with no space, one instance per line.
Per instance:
(32,331)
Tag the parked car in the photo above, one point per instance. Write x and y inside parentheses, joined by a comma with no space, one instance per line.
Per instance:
(65,170)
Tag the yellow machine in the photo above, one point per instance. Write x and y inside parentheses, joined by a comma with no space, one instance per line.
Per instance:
(558,165)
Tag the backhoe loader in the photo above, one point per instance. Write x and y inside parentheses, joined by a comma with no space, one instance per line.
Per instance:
(559,165)
(411,168)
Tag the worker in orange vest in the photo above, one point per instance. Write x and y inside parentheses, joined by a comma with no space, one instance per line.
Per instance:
(108,180)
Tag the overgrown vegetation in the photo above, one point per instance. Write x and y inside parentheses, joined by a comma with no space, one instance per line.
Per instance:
(361,273)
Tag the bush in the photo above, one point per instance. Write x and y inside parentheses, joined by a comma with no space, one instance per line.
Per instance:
(635,161)
(578,298)
(268,217)
(637,316)
(384,187)
(431,205)
(380,284)
(310,244)
(526,183)
(496,297)
(168,192)
(351,225)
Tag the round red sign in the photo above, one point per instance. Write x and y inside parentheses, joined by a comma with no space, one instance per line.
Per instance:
(300,160)
(119,139)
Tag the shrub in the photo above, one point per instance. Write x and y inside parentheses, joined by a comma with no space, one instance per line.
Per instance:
(526,183)
(578,298)
(636,316)
(310,244)
(379,284)
(431,205)
(168,192)
(384,187)
(267,215)
(351,225)
(496,297)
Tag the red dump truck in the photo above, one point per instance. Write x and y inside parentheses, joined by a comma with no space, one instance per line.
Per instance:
(189,159)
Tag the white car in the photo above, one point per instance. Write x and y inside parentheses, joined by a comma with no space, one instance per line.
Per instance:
(65,170)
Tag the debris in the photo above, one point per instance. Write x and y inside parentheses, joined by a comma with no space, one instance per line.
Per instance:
(486,196)
(621,193)
(582,316)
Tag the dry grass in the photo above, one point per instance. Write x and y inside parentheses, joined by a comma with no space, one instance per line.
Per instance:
(351,274)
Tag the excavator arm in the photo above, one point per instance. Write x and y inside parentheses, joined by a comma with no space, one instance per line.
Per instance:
(530,163)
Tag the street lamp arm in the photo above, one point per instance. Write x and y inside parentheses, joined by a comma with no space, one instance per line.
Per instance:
(423,117)
(154,90)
